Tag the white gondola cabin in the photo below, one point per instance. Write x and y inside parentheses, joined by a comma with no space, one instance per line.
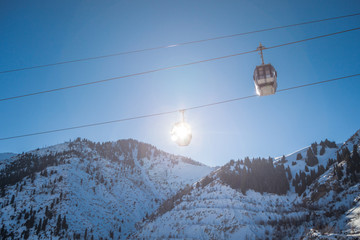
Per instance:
(181,132)
(265,77)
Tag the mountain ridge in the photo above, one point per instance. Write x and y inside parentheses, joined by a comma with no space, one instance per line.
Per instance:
(290,224)
(86,182)
(129,189)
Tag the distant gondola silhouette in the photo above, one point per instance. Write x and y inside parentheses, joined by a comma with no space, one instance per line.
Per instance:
(265,77)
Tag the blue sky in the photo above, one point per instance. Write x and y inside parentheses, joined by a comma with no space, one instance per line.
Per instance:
(43,32)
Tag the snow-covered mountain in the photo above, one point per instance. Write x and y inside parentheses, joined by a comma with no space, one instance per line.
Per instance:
(101,190)
(131,190)
(334,197)
(286,203)
(5,158)
(216,211)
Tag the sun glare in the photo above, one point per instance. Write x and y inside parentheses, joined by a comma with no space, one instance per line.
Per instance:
(181,133)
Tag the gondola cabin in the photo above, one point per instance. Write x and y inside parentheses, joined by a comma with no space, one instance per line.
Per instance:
(181,132)
(265,79)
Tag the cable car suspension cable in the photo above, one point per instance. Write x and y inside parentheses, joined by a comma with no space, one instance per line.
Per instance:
(171,67)
(176,44)
(175,111)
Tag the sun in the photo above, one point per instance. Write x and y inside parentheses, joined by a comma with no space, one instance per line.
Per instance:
(181,133)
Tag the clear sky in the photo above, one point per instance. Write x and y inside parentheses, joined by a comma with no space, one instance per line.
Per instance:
(40,32)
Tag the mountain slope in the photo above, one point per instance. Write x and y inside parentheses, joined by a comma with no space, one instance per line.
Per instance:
(224,205)
(102,190)
(217,211)
(5,158)
(334,197)
(128,189)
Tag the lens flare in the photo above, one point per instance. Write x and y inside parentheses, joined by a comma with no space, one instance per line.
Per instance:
(181,133)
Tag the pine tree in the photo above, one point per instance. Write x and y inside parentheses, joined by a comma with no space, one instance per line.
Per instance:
(289,173)
(322,150)
(64,224)
(329,163)
(58,225)
(26,234)
(356,158)
(43,228)
(321,170)
(338,157)
(30,222)
(247,162)
(345,155)
(3,232)
(314,147)
(2,191)
(47,211)
(330,144)
(311,159)
(350,166)
(38,229)
(338,172)
(299,156)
